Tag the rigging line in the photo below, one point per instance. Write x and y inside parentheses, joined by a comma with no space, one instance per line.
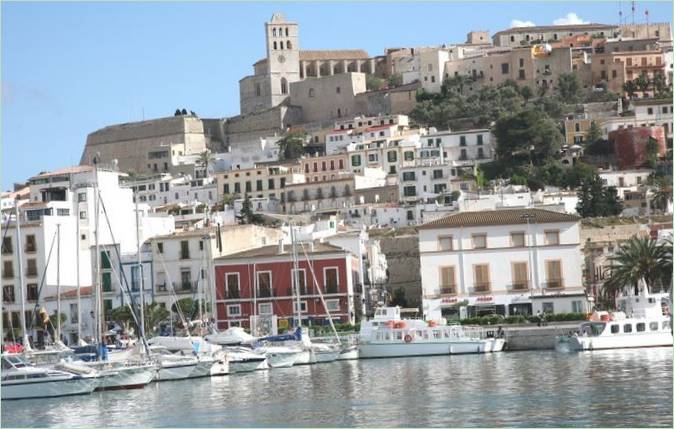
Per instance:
(318,288)
(174,296)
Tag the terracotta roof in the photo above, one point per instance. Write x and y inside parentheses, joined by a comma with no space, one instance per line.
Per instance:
(273,250)
(67,170)
(499,217)
(84,291)
(342,54)
(554,28)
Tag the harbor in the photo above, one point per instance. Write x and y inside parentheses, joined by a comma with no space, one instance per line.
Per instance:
(626,388)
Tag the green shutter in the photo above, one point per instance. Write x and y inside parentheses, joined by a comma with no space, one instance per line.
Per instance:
(105,260)
(107,282)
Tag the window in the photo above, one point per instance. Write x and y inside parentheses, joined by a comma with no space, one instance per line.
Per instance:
(284,86)
(410,191)
(106,280)
(650,110)
(265,308)
(234,310)
(505,68)
(311,92)
(30,244)
(74,314)
(445,243)
(641,327)
(249,187)
(447,280)
(437,174)
(301,280)
(258,90)
(462,140)
(410,215)
(355,160)
(258,185)
(332,305)
(409,156)
(232,285)
(464,155)
(392,156)
(83,215)
(553,270)
(264,284)
(7,248)
(517,239)
(160,247)
(577,306)
(81,197)
(31,291)
(31,267)
(331,280)
(481,278)
(409,176)
(615,329)
(520,273)
(548,307)
(186,279)
(479,241)
(627,328)
(522,59)
(551,238)
(303,307)
(372,157)
(184,249)
(338,90)
(8,293)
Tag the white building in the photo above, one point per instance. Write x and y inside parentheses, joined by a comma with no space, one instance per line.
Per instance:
(511,261)
(164,189)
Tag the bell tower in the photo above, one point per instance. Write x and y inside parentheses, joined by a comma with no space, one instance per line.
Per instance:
(283,56)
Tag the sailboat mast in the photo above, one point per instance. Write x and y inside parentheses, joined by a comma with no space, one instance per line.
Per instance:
(97,283)
(77,276)
(296,286)
(26,342)
(58,283)
(140,274)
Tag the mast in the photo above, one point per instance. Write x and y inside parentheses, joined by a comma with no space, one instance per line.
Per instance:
(140,274)
(254,299)
(77,264)
(296,285)
(26,342)
(97,284)
(58,283)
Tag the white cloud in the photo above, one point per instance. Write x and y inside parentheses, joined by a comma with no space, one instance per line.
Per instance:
(570,19)
(520,23)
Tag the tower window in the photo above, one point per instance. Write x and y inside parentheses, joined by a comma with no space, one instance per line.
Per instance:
(311,92)
(274,45)
(284,86)
(287,33)
(273,32)
(281,44)
(258,90)
(288,45)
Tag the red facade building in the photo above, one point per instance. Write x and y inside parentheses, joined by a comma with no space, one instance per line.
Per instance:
(258,282)
(630,145)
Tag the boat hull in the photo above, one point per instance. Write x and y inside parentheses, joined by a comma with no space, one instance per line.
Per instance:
(349,354)
(203,368)
(304,358)
(662,339)
(382,350)
(324,356)
(220,367)
(132,377)
(49,389)
(282,360)
(247,365)
(175,371)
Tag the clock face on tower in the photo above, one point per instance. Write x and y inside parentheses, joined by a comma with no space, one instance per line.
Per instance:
(281,59)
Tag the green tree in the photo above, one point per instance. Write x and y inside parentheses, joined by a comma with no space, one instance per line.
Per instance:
(659,83)
(527,137)
(396,79)
(595,200)
(642,82)
(662,193)
(205,160)
(652,152)
(640,258)
(373,82)
(630,88)
(569,87)
(526,93)
(246,213)
(291,146)
(593,133)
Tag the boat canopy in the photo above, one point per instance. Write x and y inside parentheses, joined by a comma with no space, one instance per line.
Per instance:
(297,336)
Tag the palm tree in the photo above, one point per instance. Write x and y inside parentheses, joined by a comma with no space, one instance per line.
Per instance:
(662,194)
(640,258)
(630,88)
(205,159)
(642,82)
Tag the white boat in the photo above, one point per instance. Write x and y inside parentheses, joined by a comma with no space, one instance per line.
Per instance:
(349,352)
(203,368)
(242,359)
(643,321)
(281,356)
(172,366)
(21,380)
(321,353)
(124,375)
(387,335)
(233,336)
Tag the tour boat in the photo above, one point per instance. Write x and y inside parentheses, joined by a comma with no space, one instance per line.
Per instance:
(644,320)
(20,380)
(387,336)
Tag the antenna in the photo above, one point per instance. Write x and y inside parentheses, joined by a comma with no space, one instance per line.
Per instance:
(648,30)
(634,8)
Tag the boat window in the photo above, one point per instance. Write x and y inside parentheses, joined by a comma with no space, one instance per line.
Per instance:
(436,334)
(654,326)
(419,334)
(445,333)
(641,327)
(14,377)
(615,329)
(388,336)
(666,325)
(627,327)
(6,364)
(399,335)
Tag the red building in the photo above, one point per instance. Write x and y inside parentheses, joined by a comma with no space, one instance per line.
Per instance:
(262,277)
(630,145)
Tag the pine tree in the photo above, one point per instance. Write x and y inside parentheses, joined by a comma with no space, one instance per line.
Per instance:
(246,215)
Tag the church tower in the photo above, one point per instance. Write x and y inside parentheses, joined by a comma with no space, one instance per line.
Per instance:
(283,56)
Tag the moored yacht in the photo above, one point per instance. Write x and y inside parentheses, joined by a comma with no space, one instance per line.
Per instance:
(643,320)
(20,380)
(387,335)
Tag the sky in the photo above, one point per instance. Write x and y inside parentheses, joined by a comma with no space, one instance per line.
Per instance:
(69,69)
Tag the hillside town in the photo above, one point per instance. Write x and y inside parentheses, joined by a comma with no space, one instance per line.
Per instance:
(500,175)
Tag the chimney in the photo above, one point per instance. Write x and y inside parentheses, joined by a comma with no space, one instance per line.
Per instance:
(280,246)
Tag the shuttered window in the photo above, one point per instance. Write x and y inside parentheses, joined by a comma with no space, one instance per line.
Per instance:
(553,270)
(517,239)
(481,278)
(479,241)
(445,242)
(447,280)
(520,276)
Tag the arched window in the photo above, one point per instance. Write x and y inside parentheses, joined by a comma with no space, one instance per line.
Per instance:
(273,32)
(311,92)
(274,45)
(339,113)
(281,44)
(258,90)
(289,45)
(286,31)
(284,86)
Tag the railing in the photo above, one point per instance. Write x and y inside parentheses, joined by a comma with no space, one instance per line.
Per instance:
(332,289)
(233,294)
(482,287)
(265,293)
(519,286)
(303,291)
(184,255)
(31,272)
(447,290)
(185,285)
(31,248)
(554,284)
(8,274)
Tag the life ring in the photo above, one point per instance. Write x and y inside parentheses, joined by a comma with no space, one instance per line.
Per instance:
(408,338)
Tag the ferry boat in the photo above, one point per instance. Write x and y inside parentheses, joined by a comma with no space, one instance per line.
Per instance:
(643,320)
(387,335)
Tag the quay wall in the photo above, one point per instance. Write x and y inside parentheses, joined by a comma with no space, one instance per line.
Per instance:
(532,337)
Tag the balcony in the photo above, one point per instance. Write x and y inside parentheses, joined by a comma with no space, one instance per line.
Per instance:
(184,255)
(7,274)
(265,292)
(185,285)
(524,286)
(331,289)
(482,288)
(233,293)
(447,290)
(31,272)
(303,291)
(554,284)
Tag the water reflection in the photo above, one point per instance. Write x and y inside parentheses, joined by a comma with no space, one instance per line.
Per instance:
(611,388)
